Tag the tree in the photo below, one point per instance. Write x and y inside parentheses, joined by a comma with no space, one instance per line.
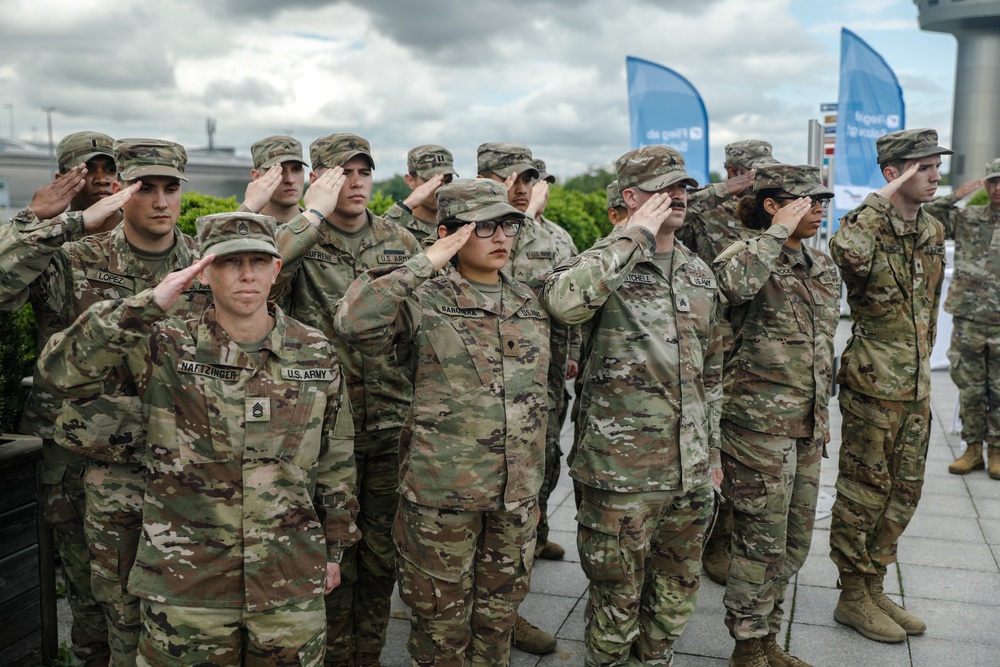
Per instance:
(595,179)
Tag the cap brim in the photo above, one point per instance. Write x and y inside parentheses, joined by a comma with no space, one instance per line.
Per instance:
(151,170)
(505,172)
(916,155)
(809,191)
(546,176)
(267,164)
(340,162)
(666,180)
(237,246)
(490,212)
(995,174)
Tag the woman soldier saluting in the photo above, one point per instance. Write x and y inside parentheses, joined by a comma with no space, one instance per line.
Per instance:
(785,303)
(475,344)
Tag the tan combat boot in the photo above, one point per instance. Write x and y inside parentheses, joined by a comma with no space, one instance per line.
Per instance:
(994,455)
(549,550)
(367,660)
(716,558)
(857,610)
(910,623)
(748,653)
(971,459)
(532,639)
(776,656)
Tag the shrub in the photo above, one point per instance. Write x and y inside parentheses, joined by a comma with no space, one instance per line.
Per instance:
(194,205)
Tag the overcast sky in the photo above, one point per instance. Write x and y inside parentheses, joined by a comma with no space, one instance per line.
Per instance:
(547,73)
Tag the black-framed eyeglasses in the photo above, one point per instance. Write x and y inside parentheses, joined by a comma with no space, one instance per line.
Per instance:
(487,228)
(822,201)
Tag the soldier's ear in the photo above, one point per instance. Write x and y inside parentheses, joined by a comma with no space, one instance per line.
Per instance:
(116,186)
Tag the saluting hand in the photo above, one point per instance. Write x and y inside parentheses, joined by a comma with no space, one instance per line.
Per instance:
(95,215)
(165,294)
(539,199)
(738,184)
(652,213)
(424,191)
(445,247)
(789,216)
(53,198)
(890,188)
(968,188)
(323,193)
(259,190)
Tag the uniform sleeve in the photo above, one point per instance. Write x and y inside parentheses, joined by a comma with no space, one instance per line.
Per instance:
(76,361)
(745,267)
(293,240)
(335,499)
(947,212)
(27,247)
(713,386)
(375,311)
(853,245)
(579,287)
(707,197)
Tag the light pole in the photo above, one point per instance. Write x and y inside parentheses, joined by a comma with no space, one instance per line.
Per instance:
(52,146)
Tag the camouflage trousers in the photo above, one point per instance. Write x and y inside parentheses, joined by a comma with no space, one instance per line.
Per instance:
(771,482)
(358,610)
(558,404)
(463,575)
(285,636)
(975,368)
(882,457)
(114,525)
(65,506)
(642,555)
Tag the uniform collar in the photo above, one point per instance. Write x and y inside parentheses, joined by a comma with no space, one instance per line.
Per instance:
(217,348)
(467,296)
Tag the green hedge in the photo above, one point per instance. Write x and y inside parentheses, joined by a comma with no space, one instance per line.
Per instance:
(17,360)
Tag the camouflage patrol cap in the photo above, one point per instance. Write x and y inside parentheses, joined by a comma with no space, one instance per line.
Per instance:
(504,158)
(80,147)
(474,200)
(430,160)
(992,169)
(335,150)
(136,158)
(909,145)
(801,180)
(232,233)
(543,173)
(652,168)
(615,199)
(275,150)
(749,153)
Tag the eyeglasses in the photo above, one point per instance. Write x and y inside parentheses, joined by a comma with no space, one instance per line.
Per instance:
(822,201)
(487,228)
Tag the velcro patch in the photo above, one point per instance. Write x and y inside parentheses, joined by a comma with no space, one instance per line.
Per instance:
(322,256)
(392,258)
(640,278)
(531,312)
(703,281)
(100,276)
(934,249)
(225,374)
(892,248)
(541,254)
(307,374)
(462,312)
(257,409)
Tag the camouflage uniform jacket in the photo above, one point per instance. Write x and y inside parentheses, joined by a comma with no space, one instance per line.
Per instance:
(785,315)
(317,271)
(250,466)
(893,270)
(62,272)
(422,230)
(974,292)
(652,359)
(567,249)
(474,439)
(711,225)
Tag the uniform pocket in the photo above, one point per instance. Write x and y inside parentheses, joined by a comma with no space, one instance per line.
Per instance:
(598,538)
(463,364)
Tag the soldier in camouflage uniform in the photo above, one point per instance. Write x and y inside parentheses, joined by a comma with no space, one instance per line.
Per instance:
(324,251)
(711,226)
(649,411)
(891,257)
(429,166)
(535,253)
(475,343)
(617,211)
(248,504)
(974,302)
(283,155)
(784,305)
(50,263)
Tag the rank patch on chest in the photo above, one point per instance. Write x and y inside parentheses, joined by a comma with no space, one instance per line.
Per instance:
(306,374)
(511,347)
(682,304)
(258,409)
(541,254)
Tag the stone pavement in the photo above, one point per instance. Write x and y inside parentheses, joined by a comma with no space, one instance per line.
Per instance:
(947,573)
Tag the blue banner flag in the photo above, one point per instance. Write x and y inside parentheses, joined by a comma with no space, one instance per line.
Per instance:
(870,105)
(664,108)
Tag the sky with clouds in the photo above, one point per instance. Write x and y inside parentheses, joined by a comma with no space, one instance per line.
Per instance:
(546,73)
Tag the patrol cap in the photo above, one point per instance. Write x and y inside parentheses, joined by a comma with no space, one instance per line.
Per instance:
(80,147)
(992,169)
(232,233)
(275,150)
(909,145)
(335,150)
(430,160)
(615,199)
(504,158)
(749,153)
(474,200)
(801,180)
(543,174)
(136,158)
(652,168)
